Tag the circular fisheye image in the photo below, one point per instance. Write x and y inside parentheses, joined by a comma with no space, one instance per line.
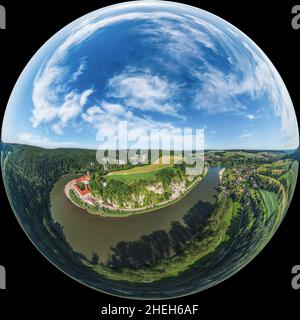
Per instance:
(149,150)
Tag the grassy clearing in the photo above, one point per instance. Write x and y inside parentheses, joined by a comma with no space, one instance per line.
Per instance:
(289,179)
(270,201)
(159,164)
(141,169)
(133,177)
(282,197)
(145,172)
(278,165)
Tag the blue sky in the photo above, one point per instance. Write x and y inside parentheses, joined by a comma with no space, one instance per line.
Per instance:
(155,65)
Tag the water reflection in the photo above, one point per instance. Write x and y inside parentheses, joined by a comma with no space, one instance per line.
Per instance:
(94,236)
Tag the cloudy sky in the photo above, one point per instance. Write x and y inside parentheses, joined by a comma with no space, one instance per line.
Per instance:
(157,66)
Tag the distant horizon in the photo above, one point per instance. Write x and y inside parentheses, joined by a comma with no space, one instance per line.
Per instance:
(193,150)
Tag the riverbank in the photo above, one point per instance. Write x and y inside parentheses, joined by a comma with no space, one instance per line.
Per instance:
(221,172)
(108,211)
(101,233)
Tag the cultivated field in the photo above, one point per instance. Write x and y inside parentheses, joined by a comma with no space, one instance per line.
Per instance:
(144,172)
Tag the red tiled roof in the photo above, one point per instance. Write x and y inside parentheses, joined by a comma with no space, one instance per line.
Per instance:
(83,178)
(82,192)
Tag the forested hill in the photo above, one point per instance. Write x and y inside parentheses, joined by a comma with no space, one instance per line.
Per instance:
(55,162)
(294,154)
(145,189)
(29,174)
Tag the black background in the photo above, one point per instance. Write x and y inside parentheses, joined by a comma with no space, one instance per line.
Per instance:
(35,288)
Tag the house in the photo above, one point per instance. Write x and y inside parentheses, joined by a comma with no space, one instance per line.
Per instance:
(80,192)
(90,201)
(85,180)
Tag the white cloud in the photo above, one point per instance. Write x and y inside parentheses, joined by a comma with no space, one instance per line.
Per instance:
(80,70)
(219,91)
(144,91)
(178,36)
(53,100)
(250,117)
(253,75)
(48,108)
(106,118)
(246,135)
(110,114)
(91,114)
(36,140)
(113,108)
(56,104)
(268,80)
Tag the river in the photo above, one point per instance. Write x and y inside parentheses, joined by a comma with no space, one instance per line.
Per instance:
(89,234)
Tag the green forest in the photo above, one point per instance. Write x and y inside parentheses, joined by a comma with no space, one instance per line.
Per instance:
(252,199)
(154,187)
